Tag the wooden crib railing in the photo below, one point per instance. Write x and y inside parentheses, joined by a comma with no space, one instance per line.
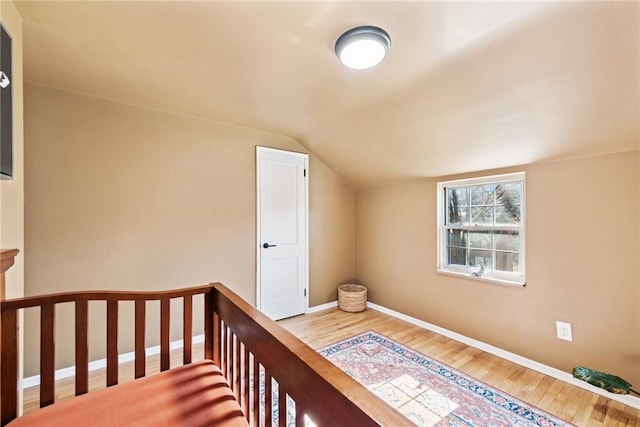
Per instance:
(250,348)
(47,305)
(246,340)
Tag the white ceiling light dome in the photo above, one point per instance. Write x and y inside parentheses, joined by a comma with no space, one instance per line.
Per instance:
(363,47)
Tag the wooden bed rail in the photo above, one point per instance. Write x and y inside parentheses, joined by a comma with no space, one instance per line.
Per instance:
(255,354)
(252,349)
(8,336)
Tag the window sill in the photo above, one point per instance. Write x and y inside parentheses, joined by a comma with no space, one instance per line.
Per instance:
(517,284)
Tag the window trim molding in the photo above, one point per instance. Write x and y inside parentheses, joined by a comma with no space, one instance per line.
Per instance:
(509,279)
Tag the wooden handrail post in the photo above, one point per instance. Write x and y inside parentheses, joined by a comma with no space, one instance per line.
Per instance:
(9,362)
(8,366)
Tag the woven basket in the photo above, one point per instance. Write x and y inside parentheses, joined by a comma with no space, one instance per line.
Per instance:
(352,298)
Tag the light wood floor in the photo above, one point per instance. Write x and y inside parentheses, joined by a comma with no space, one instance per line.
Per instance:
(563,400)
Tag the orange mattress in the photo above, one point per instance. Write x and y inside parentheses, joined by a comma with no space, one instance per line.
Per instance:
(192,395)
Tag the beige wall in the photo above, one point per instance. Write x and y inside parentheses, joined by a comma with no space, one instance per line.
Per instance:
(582,265)
(331,233)
(12,191)
(123,197)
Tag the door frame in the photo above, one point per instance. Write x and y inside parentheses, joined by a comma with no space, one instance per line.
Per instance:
(258,242)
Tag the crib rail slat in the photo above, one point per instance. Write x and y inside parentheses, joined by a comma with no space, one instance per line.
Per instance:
(47,355)
(228,358)
(139,336)
(268,399)
(82,347)
(282,407)
(112,342)
(237,356)
(255,404)
(164,334)
(246,384)
(187,328)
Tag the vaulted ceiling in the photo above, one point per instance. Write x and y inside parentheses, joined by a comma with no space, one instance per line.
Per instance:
(466,85)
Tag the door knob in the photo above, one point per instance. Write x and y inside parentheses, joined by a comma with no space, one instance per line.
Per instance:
(267,246)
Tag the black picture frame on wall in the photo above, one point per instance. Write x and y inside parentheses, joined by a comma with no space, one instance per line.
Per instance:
(6,105)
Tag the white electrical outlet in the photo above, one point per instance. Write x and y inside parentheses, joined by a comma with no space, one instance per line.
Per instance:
(564,331)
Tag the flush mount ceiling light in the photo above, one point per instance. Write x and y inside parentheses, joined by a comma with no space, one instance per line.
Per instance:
(363,47)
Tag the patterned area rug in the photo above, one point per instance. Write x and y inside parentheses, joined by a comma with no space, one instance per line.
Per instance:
(428,392)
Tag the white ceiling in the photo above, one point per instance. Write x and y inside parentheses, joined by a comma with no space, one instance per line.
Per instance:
(466,85)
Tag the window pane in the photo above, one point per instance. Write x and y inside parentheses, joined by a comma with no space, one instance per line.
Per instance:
(457,238)
(482,215)
(482,195)
(458,205)
(480,257)
(509,216)
(507,241)
(461,194)
(480,240)
(457,247)
(457,256)
(507,261)
(508,201)
(511,190)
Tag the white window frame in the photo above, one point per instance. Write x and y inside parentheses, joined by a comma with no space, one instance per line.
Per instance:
(516,279)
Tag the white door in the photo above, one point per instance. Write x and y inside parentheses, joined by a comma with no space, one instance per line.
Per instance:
(282,204)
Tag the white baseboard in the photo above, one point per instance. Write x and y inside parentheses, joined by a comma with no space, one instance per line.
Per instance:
(629,400)
(102,363)
(321,307)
